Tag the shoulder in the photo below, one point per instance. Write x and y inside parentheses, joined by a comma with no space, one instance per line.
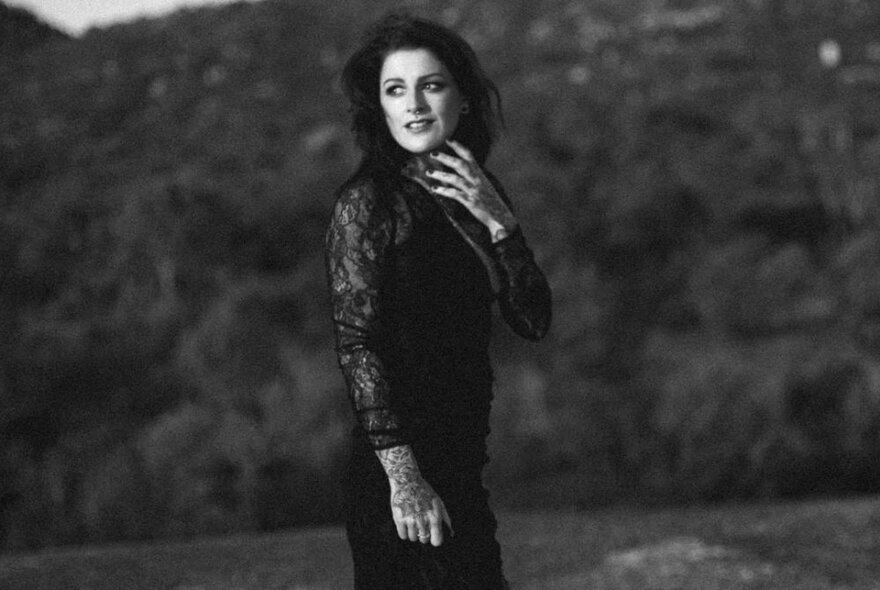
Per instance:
(358,189)
(363,201)
(362,193)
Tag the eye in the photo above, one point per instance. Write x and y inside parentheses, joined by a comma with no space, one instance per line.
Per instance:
(435,86)
(394,90)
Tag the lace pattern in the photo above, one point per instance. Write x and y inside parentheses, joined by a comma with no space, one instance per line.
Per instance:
(356,249)
(364,247)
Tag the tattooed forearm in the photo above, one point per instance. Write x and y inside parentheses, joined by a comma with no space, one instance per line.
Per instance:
(399,464)
(497,215)
(410,493)
(498,211)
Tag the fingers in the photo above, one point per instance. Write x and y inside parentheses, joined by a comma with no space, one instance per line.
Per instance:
(453,193)
(436,537)
(425,528)
(420,530)
(408,527)
(436,521)
(464,167)
(455,180)
(445,515)
(460,150)
(413,531)
(423,184)
(402,529)
(419,519)
(415,527)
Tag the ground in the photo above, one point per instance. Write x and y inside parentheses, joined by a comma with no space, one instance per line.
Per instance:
(817,544)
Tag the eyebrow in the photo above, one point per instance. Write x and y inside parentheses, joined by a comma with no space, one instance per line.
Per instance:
(425,77)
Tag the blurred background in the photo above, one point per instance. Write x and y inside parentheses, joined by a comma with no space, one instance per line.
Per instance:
(698,178)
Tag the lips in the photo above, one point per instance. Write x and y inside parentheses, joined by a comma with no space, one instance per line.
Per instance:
(419,124)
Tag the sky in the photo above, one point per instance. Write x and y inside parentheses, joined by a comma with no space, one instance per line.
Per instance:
(75,16)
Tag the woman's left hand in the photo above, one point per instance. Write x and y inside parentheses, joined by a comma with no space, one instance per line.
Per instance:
(465,182)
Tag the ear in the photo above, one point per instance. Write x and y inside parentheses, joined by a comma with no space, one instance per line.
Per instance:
(465,107)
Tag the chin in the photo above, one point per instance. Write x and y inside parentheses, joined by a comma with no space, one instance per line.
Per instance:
(421,145)
(424,147)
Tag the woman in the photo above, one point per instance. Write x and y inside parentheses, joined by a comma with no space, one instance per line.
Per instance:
(421,242)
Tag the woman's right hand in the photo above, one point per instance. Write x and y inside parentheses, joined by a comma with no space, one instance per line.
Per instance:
(418,511)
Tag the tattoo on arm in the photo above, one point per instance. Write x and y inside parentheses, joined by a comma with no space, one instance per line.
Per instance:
(499,211)
(399,464)
(502,221)
(409,492)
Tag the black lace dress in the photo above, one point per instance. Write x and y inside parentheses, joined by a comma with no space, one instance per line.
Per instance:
(412,280)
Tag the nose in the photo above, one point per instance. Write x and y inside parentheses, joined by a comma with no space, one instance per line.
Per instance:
(416,103)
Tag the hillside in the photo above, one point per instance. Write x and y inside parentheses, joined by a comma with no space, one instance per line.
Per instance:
(698,178)
(21,31)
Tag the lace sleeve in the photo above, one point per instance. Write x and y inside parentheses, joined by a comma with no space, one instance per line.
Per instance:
(356,247)
(524,299)
(524,295)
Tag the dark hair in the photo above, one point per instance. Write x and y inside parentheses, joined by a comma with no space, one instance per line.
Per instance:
(360,82)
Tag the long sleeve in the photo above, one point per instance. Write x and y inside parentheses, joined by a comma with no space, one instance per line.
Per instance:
(357,243)
(524,297)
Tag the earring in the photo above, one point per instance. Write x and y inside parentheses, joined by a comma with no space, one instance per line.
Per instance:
(465,108)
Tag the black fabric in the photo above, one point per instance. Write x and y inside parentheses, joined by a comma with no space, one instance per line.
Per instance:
(468,559)
(412,301)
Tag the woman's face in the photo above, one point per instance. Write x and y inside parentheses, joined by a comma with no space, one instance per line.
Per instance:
(420,98)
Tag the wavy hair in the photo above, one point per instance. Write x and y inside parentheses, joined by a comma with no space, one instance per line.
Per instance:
(360,83)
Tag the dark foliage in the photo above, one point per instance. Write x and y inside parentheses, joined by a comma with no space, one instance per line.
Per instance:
(21,31)
(698,178)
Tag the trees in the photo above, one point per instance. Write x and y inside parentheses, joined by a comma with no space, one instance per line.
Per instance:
(694,182)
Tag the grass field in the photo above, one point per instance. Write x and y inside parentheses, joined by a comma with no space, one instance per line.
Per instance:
(804,546)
